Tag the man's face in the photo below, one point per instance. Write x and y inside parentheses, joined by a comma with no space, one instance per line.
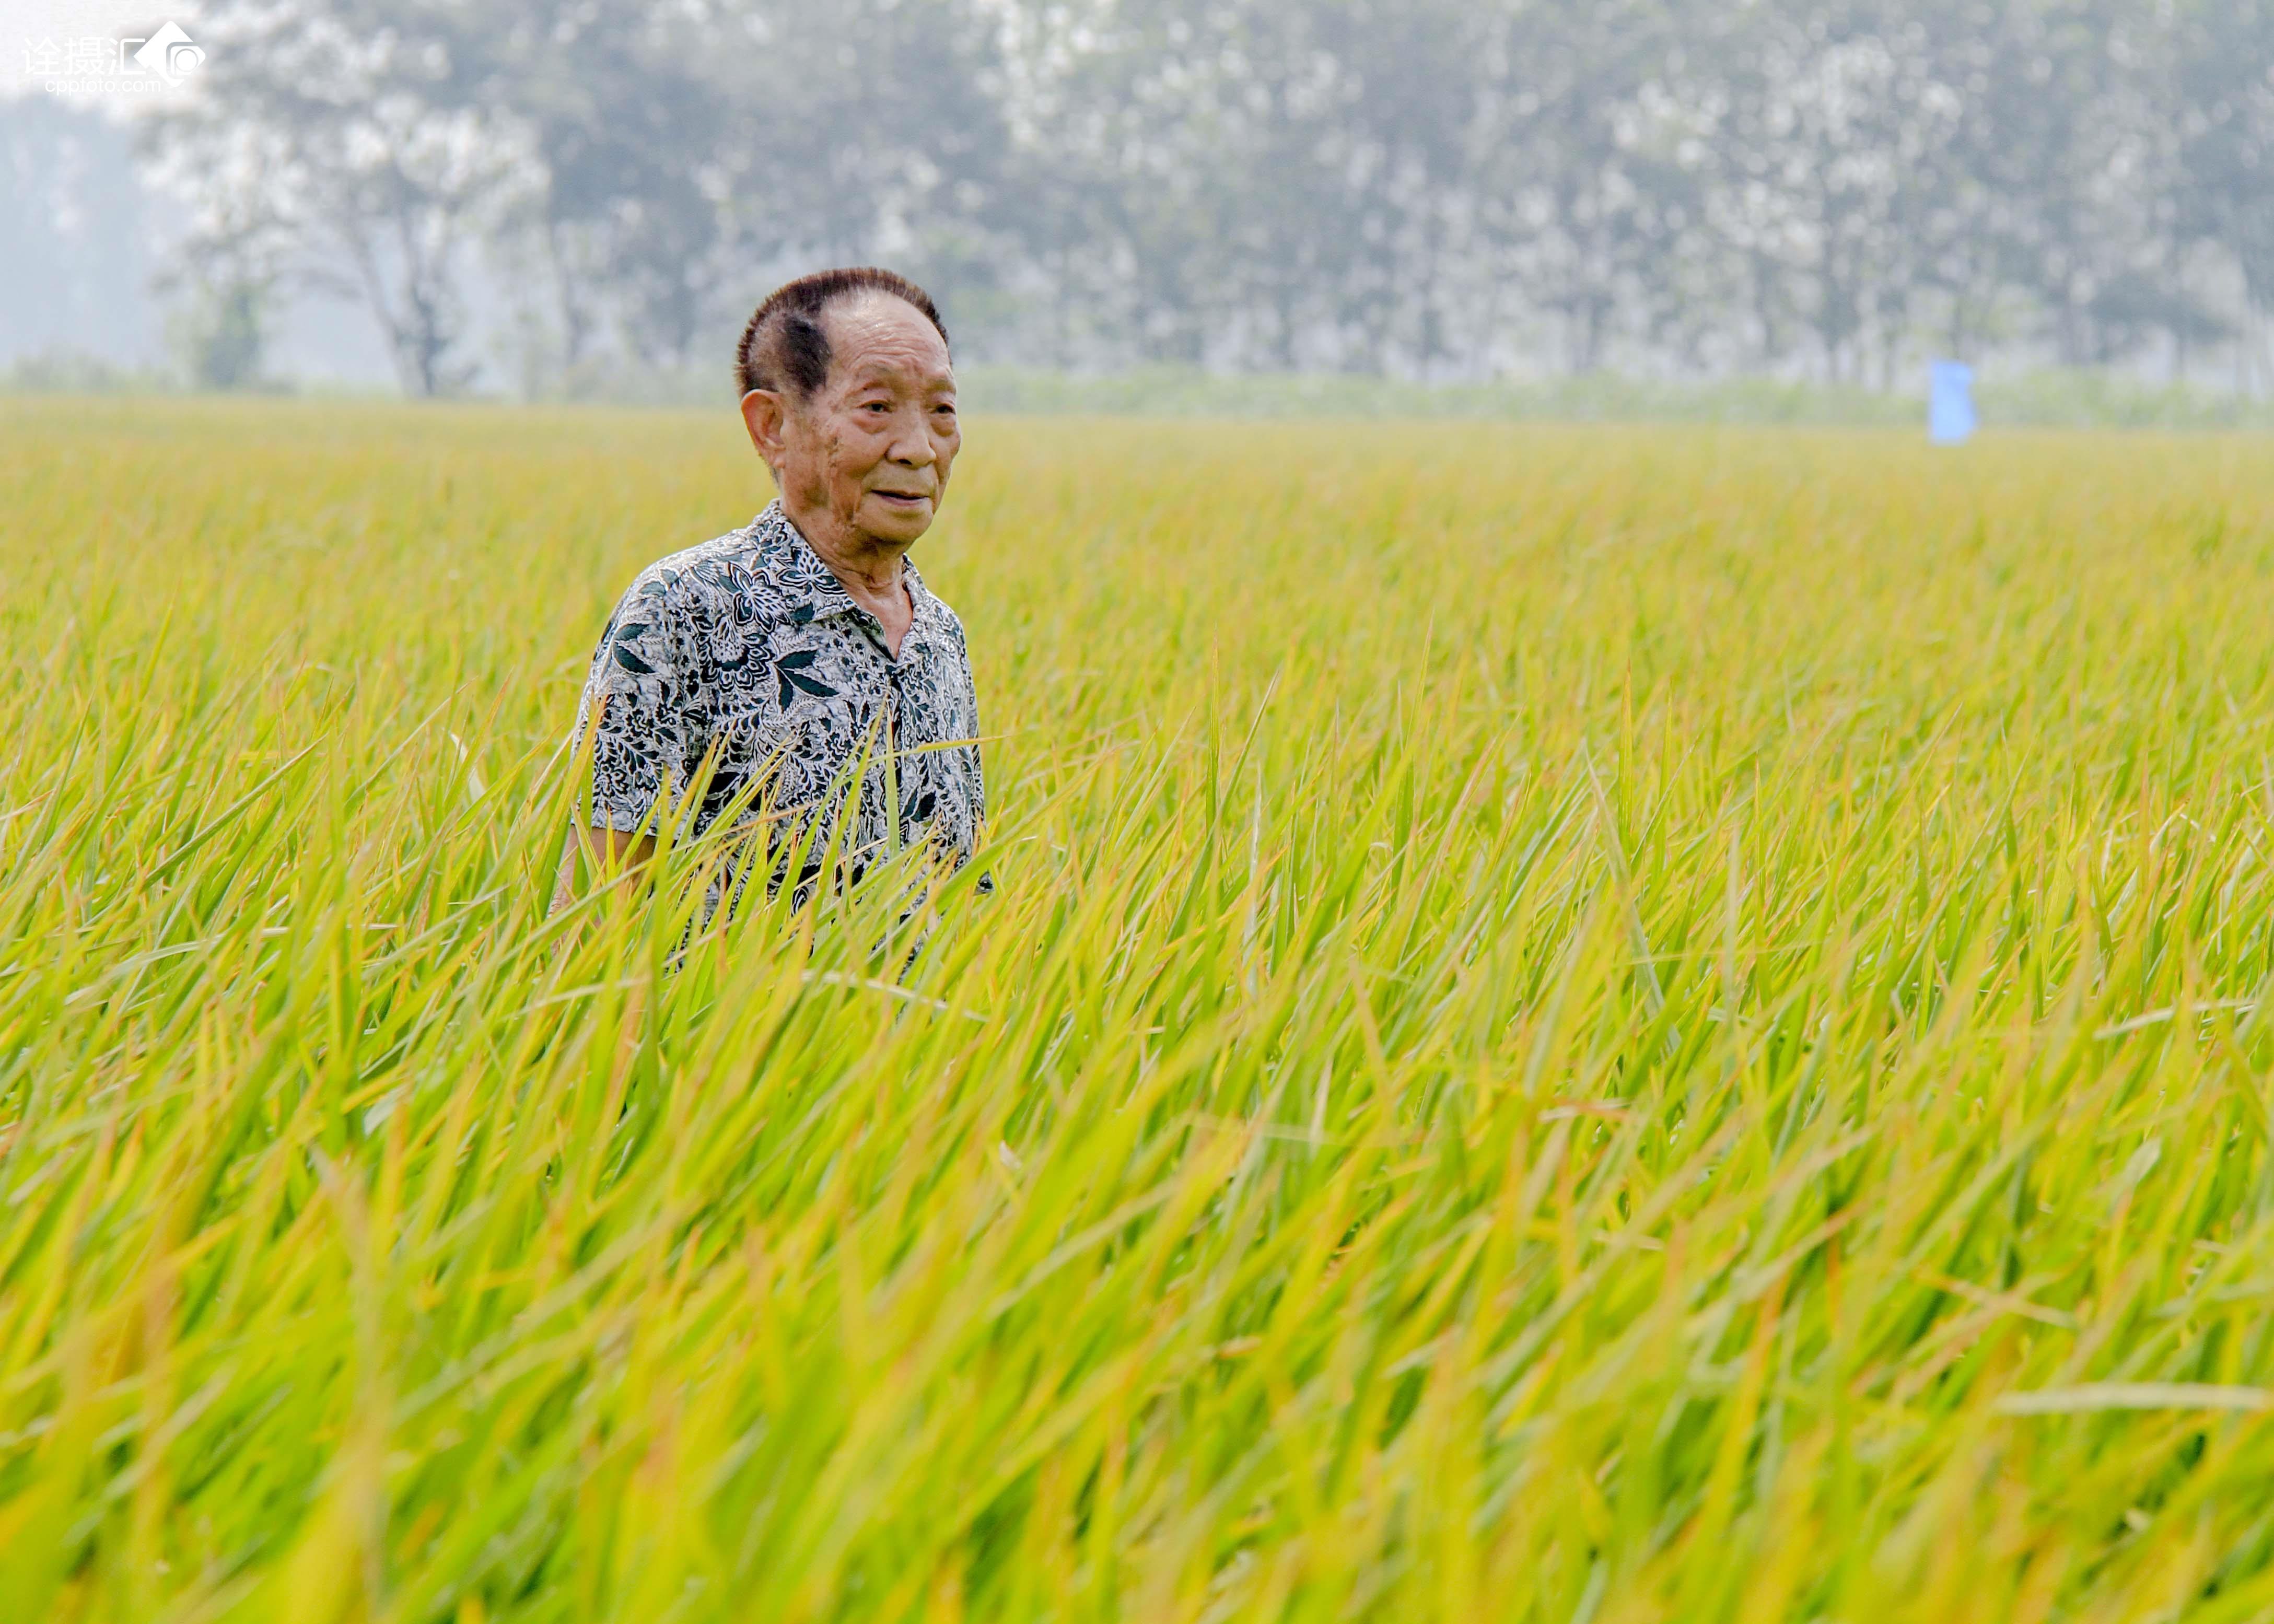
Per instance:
(867,455)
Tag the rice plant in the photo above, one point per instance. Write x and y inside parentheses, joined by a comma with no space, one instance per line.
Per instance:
(1573,1025)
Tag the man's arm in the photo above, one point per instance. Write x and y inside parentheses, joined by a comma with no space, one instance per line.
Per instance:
(643,729)
(603,849)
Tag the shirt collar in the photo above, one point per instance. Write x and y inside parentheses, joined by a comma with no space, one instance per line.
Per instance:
(810,589)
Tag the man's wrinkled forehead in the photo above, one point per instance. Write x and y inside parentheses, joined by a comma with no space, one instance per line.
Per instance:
(871,332)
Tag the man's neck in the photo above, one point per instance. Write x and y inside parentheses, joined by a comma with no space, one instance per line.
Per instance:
(870,571)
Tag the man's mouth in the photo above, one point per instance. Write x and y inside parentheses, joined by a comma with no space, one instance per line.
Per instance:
(910,497)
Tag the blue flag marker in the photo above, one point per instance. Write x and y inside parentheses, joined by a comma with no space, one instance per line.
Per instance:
(1950,417)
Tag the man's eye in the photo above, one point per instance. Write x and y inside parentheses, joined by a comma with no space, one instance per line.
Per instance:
(876,406)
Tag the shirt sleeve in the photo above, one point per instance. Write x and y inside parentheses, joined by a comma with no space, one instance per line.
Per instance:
(969,706)
(647,706)
(978,773)
(985,885)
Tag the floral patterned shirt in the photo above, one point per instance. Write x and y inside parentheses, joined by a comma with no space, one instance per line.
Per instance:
(749,647)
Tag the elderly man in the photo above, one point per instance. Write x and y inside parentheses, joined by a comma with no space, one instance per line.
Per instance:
(801,650)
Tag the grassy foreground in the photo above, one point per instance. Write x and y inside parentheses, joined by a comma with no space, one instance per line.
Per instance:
(1576,1025)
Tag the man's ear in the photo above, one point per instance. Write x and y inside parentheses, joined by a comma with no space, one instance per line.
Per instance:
(765,413)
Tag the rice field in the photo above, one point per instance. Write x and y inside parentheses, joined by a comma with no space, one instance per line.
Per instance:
(1575,1024)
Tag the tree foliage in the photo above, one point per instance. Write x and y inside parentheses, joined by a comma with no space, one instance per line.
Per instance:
(1430,187)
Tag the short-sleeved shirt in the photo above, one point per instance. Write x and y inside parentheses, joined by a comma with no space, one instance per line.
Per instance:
(747,646)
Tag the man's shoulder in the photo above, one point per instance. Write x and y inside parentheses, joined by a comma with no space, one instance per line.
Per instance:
(744,575)
(953,621)
(691,573)
(942,613)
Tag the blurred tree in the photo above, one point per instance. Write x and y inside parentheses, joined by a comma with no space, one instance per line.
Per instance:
(1584,193)
(2224,82)
(877,129)
(363,142)
(224,336)
(1428,187)
(628,129)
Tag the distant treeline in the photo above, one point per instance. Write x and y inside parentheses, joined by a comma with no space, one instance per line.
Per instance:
(2064,398)
(1432,189)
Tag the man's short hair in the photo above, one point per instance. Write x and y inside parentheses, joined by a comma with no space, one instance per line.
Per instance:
(785,348)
